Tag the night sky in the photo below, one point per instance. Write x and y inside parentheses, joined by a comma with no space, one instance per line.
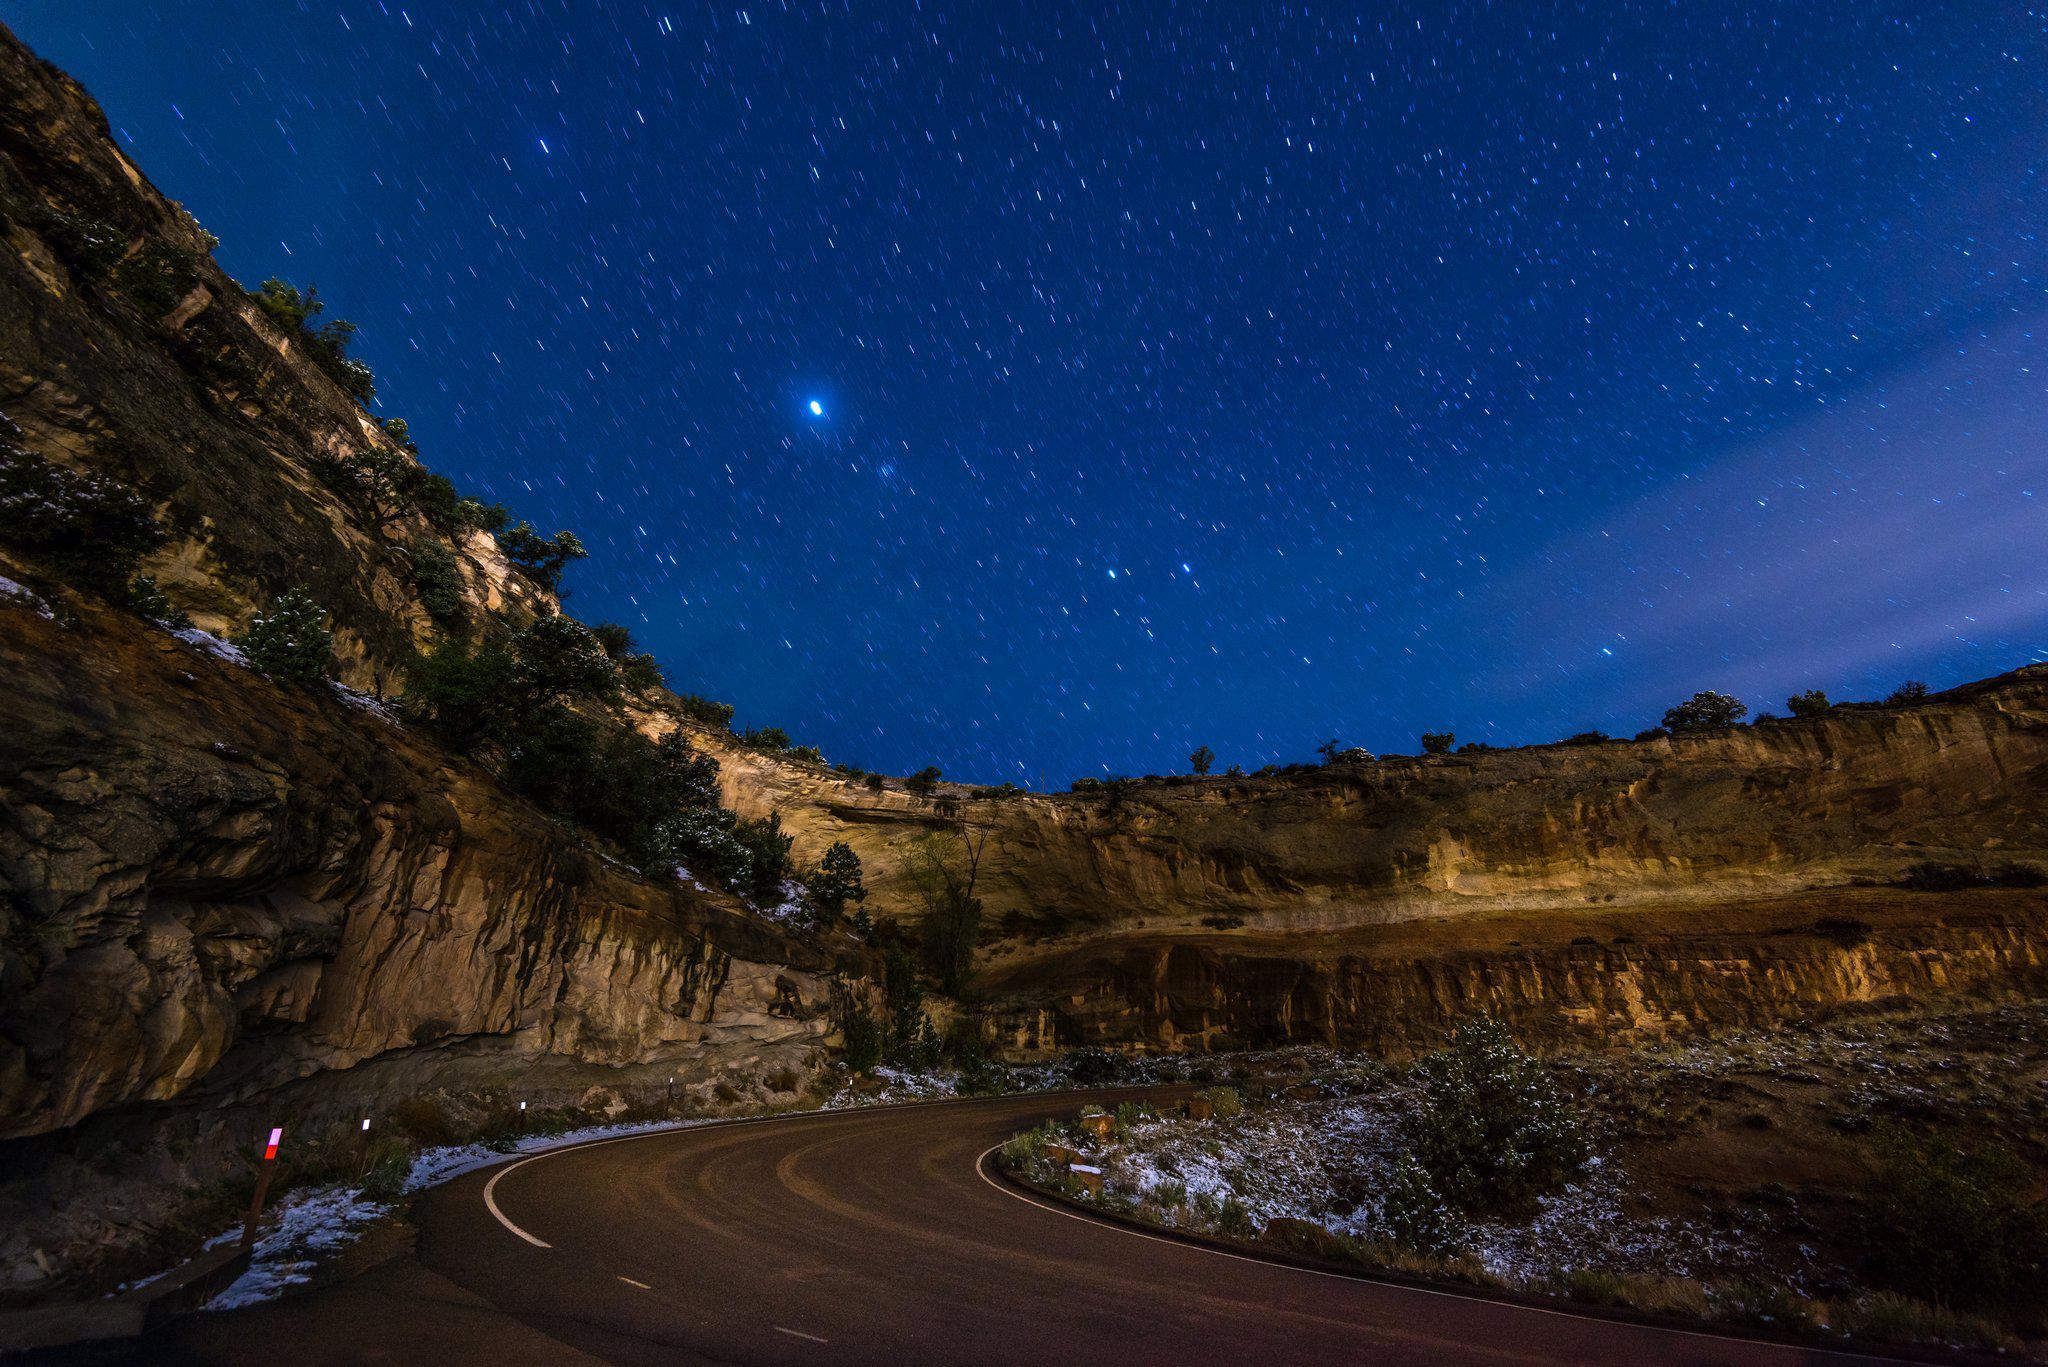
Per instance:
(1247,376)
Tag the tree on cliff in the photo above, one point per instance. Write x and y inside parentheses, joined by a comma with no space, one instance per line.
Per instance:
(327,344)
(1811,703)
(88,529)
(923,781)
(291,641)
(836,881)
(558,658)
(1437,742)
(1704,711)
(1201,759)
(941,873)
(543,558)
(1911,691)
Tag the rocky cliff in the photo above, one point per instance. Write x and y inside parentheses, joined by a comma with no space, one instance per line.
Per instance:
(1859,793)
(227,901)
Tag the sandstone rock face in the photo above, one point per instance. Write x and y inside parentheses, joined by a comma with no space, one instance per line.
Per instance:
(219,884)
(1621,974)
(1860,793)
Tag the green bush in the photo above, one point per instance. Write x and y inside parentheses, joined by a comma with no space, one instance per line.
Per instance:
(1492,1128)
(1225,1100)
(157,277)
(863,1040)
(836,881)
(1437,742)
(463,692)
(717,714)
(437,581)
(291,641)
(1414,1215)
(1089,1066)
(1955,1226)
(86,528)
(1704,711)
(327,344)
(542,558)
(147,600)
(1811,703)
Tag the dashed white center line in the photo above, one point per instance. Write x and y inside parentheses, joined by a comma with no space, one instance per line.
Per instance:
(630,1282)
(798,1334)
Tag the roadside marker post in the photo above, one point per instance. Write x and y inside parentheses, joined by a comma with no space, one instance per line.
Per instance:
(522,1117)
(363,1148)
(263,1173)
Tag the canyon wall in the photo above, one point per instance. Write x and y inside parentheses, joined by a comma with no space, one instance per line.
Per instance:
(1861,792)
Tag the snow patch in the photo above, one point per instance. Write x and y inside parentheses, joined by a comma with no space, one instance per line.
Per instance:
(212,645)
(28,598)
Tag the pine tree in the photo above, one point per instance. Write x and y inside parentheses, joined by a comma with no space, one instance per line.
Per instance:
(291,641)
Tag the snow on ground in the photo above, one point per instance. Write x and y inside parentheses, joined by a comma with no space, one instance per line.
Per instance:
(27,597)
(376,707)
(1330,1161)
(310,1226)
(313,1223)
(212,645)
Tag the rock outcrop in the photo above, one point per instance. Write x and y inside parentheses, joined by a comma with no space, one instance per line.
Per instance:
(1859,793)
(227,901)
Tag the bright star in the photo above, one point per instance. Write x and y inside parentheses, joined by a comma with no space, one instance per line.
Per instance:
(817,409)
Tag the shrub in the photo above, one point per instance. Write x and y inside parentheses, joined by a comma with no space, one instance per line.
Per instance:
(769,738)
(85,527)
(1089,1066)
(1226,1101)
(1911,691)
(1493,1129)
(437,581)
(291,641)
(716,714)
(463,692)
(1234,1220)
(1414,1215)
(542,558)
(979,1074)
(1653,733)
(923,781)
(1704,711)
(836,881)
(874,783)
(1811,703)
(1201,759)
(1887,1317)
(1585,738)
(89,246)
(327,345)
(147,600)
(157,277)
(863,1040)
(556,658)
(1437,742)
(1955,1226)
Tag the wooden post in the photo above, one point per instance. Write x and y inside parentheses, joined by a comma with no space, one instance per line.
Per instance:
(263,1172)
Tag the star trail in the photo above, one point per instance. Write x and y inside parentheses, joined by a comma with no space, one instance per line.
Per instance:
(1043,390)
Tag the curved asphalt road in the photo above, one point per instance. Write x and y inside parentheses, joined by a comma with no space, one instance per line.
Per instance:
(864,1236)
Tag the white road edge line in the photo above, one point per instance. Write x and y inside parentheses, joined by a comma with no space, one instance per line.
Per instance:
(981,1171)
(490,1194)
(798,1334)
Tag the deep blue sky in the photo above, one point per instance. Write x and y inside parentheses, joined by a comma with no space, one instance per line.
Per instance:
(1188,376)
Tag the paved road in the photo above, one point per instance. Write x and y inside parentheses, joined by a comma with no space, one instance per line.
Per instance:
(870,1236)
